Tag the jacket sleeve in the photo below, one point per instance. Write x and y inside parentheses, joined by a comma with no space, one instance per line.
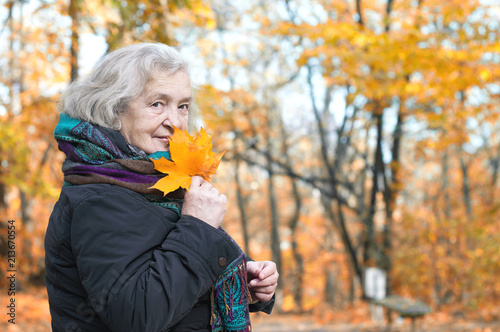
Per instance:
(141,274)
(266,307)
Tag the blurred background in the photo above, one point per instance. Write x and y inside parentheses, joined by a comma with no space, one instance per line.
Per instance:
(362,138)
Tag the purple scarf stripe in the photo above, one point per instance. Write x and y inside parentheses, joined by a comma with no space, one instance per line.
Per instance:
(121,175)
(72,153)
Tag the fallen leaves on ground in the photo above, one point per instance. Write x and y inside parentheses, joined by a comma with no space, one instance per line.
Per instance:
(32,314)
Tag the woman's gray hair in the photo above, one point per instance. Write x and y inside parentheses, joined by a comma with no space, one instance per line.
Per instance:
(120,77)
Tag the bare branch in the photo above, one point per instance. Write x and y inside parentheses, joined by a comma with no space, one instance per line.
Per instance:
(359,10)
(388,15)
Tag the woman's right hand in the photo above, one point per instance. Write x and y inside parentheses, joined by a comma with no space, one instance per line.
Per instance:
(203,201)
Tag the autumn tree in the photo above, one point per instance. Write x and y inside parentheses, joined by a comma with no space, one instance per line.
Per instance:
(29,161)
(358,133)
(399,64)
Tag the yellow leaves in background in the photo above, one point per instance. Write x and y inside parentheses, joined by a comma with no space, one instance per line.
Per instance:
(385,64)
(190,156)
(197,12)
(485,74)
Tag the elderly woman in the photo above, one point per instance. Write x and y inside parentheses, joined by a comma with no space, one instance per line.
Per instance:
(121,256)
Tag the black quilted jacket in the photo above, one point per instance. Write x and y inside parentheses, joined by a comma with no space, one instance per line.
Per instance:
(115,262)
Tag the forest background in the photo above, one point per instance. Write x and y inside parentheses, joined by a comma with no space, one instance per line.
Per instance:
(358,134)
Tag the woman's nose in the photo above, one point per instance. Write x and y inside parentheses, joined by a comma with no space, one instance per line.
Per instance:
(172,118)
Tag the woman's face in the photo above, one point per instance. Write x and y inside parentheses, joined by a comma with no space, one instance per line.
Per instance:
(151,117)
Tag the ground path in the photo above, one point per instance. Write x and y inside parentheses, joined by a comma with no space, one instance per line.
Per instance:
(32,315)
(284,324)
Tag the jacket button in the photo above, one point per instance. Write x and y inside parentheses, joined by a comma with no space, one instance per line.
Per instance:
(222,262)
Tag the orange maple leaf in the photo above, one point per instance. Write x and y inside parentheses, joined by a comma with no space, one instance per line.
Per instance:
(190,156)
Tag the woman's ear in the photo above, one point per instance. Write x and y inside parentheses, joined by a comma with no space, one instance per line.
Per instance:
(117,124)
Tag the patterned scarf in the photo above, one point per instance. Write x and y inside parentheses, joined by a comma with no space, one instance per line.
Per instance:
(99,155)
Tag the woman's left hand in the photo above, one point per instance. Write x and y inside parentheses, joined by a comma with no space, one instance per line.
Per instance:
(262,279)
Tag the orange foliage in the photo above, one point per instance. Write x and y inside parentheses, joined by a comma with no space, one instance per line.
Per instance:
(190,156)
(437,64)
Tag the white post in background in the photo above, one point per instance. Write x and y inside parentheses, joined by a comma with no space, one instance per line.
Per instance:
(375,283)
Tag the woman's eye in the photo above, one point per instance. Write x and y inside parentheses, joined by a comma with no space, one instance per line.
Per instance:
(156,104)
(184,107)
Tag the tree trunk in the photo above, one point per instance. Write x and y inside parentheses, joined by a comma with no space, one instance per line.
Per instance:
(444,186)
(13,63)
(388,15)
(163,17)
(338,220)
(360,12)
(299,261)
(294,220)
(26,208)
(391,189)
(369,245)
(495,163)
(275,238)
(330,288)
(241,205)
(466,187)
(74,11)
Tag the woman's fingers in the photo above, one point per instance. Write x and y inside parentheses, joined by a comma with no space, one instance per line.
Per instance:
(196,181)
(262,270)
(263,279)
(264,283)
(264,290)
(215,191)
(204,202)
(263,296)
